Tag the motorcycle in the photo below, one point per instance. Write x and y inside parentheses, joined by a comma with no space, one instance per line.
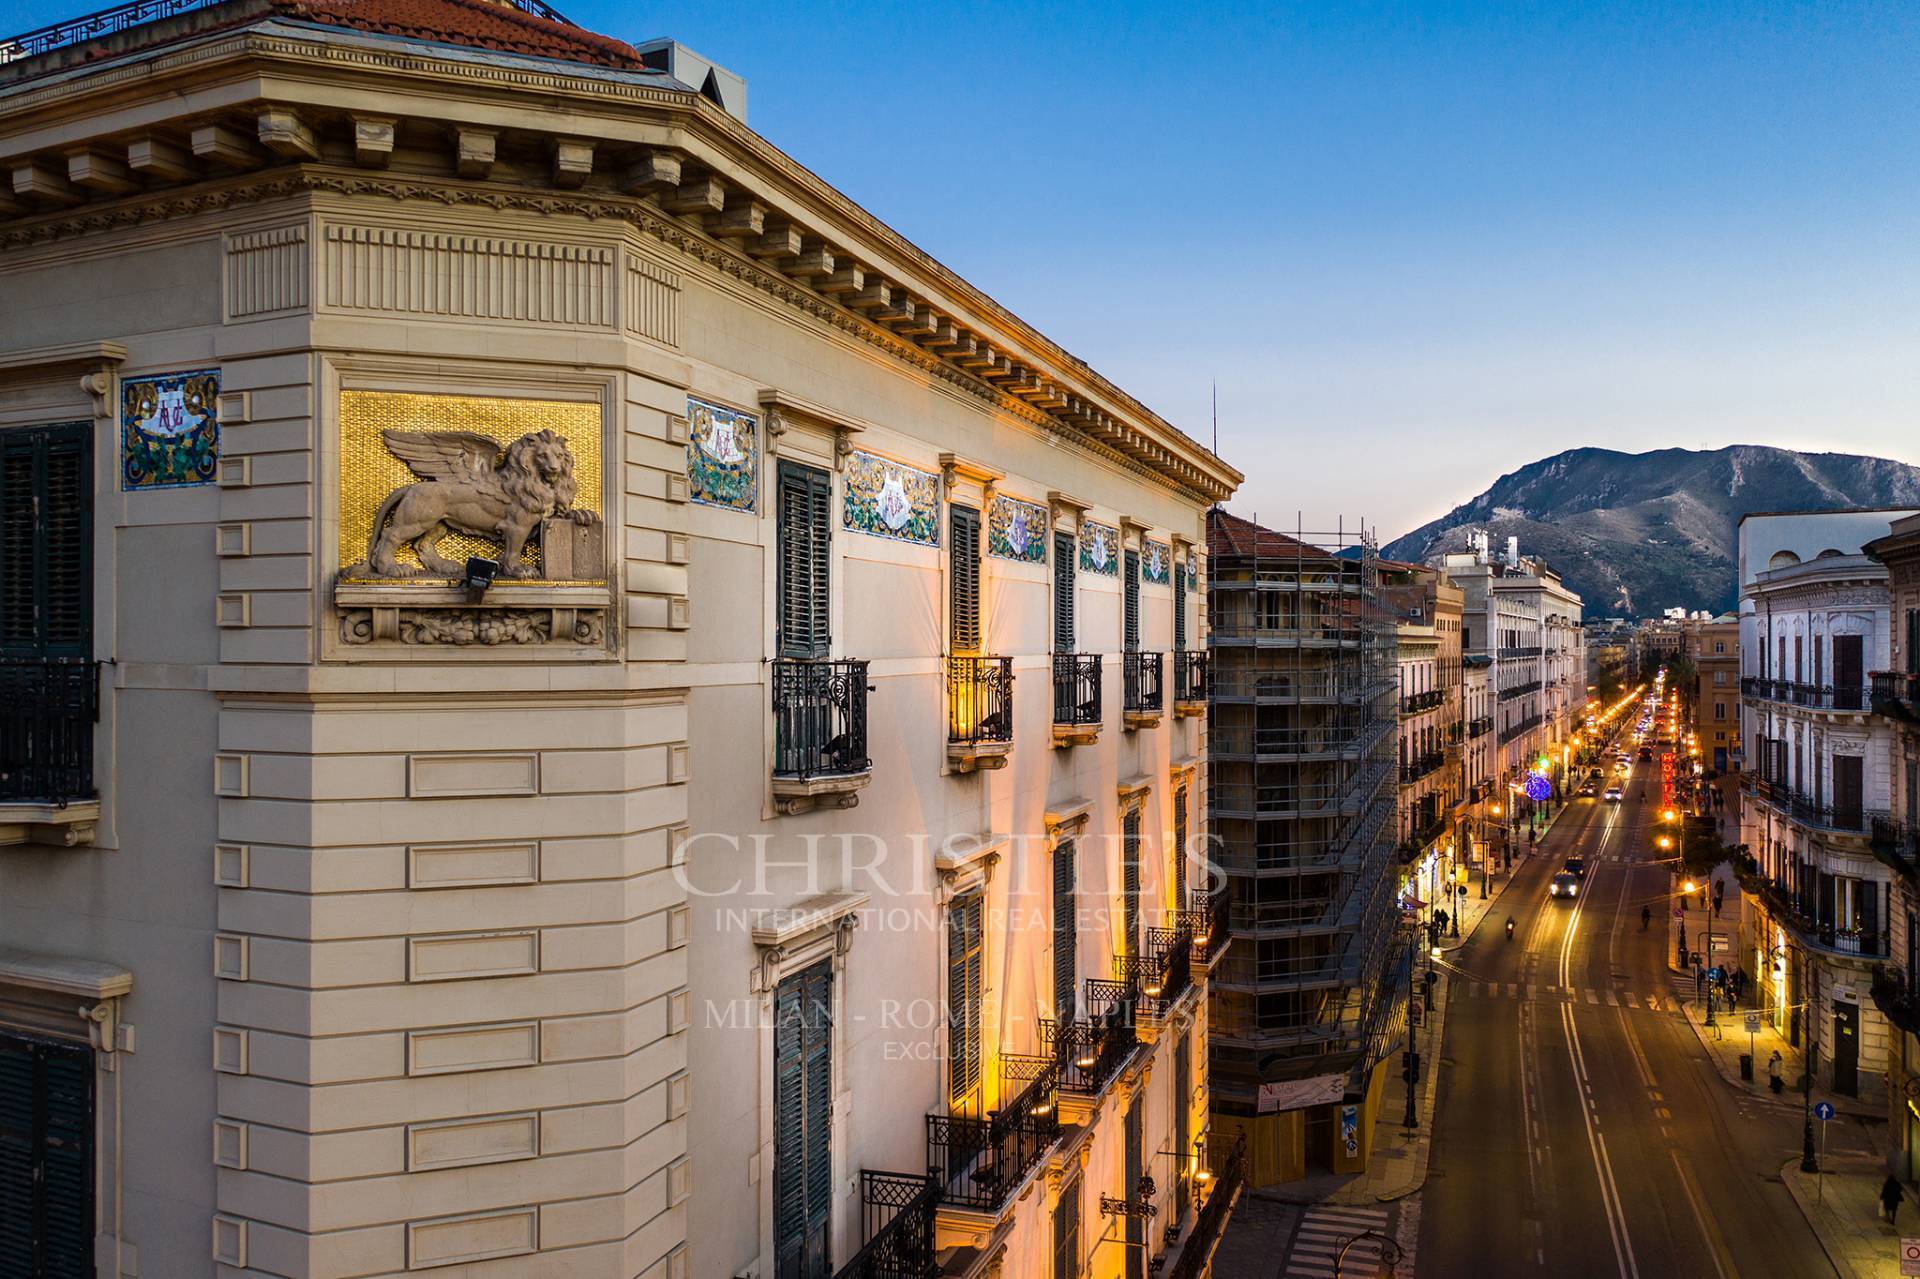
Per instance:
(1509,929)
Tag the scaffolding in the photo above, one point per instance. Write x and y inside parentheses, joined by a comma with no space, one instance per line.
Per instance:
(1302,784)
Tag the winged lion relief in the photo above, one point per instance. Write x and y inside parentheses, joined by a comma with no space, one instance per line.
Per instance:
(469,484)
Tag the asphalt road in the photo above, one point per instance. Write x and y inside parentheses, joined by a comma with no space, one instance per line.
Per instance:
(1581,1129)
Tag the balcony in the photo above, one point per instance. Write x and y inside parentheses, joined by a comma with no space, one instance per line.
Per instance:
(819,734)
(1145,693)
(1801,808)
(1896,694)
(1813,932)
(979,712)
(1521,728)
(1480,727)
(1189,683)
(1896,845)
(1076,699)
(1226,1172)
(1424,832)
(1091,1051)
(897,1210)
(1519,690)
(48,708)
(1821,697)
(1415,703)
(1210,925)
(1159,977)
(1897,1001)
(979,1162)
(1421,766)
(1523,650)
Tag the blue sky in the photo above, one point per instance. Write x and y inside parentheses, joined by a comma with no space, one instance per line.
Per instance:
(1417,245)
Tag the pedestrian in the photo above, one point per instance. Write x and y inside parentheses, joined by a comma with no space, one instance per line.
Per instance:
(1773,1072)
(1699,977)
(1716,900)
(1891,1193)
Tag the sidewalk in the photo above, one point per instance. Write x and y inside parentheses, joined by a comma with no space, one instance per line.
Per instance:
(1845,1214)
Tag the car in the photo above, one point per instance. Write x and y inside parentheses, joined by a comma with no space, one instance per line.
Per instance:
(1589,789)
(1564,885)
(1646,754)
(1575,866)
(1615,794)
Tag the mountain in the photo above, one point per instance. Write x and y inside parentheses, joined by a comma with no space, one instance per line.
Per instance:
(1635,533)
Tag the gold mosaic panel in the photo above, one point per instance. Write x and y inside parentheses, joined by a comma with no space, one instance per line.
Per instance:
(368,472)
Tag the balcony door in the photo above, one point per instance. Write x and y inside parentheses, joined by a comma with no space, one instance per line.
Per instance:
(1130,882)
(802,1118)
(1136,1164)
(1063,566)
(1849,672)
(1066,932)
(1849,791)
(805,531)
(966,957)
(964,581)
(46,1159)
(1130,621)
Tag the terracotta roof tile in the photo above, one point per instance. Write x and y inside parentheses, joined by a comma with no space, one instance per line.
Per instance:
(480,24)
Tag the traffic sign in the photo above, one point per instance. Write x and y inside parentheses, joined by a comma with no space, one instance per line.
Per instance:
(1910,1256)
(1823,1111)
(1753,1022)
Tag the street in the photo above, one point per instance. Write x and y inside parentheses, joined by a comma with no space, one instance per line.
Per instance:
(1581,1129)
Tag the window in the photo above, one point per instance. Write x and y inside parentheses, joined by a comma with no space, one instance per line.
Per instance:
(1136,1164)
(1130,880)
(1063,561)
(1066,932)
(1066,1232)
(1720,679)
(805,523)
(1180,849)
(964,967)
(46,1159)
(1719,710)
(1179,608)
(965,581)
(1131,617)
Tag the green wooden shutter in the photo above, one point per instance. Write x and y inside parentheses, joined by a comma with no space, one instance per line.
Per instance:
(1179,608)
(46,1160)
(1136,1164)
(1066,1232)
(802,1124)
(1180,849)
(964,925)
(1063,565)
(1066,932)
(805,524)
(965,554)
(46,541)
(1182,1131)
(1131,592)
(1130,879)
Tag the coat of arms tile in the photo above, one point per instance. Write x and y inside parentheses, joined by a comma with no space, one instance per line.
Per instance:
(1156,564)
(891,499)
(723,458)
(1017,530)
(169,430)
(1099,548)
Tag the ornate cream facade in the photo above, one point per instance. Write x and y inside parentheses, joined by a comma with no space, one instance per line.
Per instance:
(391,919)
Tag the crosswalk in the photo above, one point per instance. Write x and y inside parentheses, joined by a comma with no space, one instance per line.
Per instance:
(1658,1001)
(1323,1230)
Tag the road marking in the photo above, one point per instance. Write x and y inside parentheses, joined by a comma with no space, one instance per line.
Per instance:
(1716,1246)
(1602,1165)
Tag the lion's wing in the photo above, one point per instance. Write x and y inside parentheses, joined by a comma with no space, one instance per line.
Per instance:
(444,455)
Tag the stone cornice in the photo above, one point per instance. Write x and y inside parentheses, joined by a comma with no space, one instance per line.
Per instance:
(622,110)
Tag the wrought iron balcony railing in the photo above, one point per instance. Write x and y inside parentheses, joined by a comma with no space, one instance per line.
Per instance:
(1803,918)
(1480,727)
(1156,978)
(1896,844)
(979,700)
(1421,766)
(979,1162)
(1896,998)
(1143,673)
(1189,676)
(48,709)
(897,1210)
(1522,650)
(1897,694)
(1091,1050)
(1076,688)
(1210,923)
(1519,690)
(1226,1171)
(1526,725)
(1414,703)
(819,718)
(1828,697)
